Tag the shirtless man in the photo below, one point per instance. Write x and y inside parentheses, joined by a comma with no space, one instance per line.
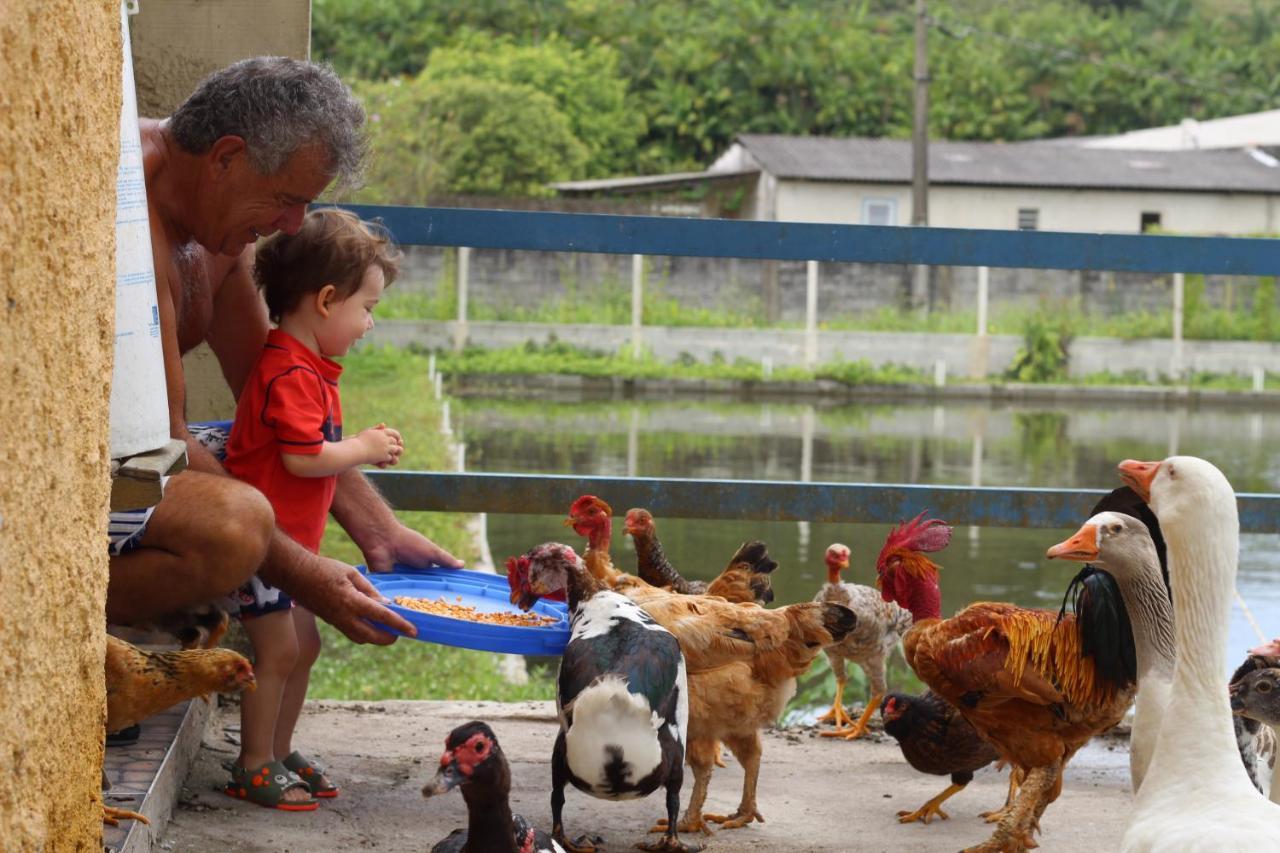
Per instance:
(241,159)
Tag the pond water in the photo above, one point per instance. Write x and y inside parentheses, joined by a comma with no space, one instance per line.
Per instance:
(903,442)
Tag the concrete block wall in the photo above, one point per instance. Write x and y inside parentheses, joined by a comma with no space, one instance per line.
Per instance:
(527,279)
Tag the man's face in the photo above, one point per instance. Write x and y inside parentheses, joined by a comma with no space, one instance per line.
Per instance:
(248,205)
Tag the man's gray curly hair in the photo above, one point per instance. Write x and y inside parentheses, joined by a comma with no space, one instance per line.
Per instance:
(276,105)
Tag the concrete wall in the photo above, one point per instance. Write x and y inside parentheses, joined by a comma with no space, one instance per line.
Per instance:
(1060,209)
(60,67)
(510,279)
(964,355)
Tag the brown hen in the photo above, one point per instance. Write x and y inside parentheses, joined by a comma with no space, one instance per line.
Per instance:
(141,683)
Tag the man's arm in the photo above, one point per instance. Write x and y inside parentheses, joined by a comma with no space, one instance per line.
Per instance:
(239,325)
(377,532)
(198,458)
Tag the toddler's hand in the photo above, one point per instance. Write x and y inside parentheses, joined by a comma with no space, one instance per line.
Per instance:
(382,444)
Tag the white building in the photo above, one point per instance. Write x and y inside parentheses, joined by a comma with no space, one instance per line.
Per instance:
(1250,130)
(1049,186)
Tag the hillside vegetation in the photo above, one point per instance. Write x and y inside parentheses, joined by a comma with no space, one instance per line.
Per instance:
(493,97)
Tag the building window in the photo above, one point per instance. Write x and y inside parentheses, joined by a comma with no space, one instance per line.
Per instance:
(1028,218)
(1150,222)
(879,211)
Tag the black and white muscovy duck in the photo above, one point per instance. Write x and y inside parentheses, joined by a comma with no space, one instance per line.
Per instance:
(622,695)
(473,761)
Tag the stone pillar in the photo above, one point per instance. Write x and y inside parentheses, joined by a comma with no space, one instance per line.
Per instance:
(60,83)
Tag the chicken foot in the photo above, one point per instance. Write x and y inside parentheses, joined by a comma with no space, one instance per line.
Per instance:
(837,715)
(932,808)
(859,728)
(1015,830)
(671,840)
(996,815)
(113,816)
(700,756)
(747,749)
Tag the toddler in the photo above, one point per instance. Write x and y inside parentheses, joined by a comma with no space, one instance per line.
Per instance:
(320,285)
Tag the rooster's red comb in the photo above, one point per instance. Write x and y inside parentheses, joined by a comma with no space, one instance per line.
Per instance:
(921,534)
(581,504)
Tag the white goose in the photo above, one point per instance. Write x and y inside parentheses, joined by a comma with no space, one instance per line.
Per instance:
(1195,795)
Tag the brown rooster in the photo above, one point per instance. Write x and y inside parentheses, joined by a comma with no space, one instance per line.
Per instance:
(1036,684)
(746,578)
(142,683)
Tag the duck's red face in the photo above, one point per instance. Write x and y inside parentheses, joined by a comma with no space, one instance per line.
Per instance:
(518,579)
(468,751)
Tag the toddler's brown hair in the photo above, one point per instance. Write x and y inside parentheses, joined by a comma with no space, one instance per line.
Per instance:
(332,247)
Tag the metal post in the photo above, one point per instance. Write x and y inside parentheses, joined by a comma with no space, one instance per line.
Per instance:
(920,149)
(920,123)
(464,268)
(633,442)
(1179,286)
(811,314)
(808,420)
(637,304)
(984,285)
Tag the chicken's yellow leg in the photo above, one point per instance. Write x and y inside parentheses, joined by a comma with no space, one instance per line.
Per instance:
(837,715)
(859,728)
(113,816)
(933,808)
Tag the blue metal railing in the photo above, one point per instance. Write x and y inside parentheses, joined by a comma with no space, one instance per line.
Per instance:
(797,241)
(818,502)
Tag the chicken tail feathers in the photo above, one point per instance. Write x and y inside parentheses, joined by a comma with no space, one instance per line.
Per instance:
(1102,622)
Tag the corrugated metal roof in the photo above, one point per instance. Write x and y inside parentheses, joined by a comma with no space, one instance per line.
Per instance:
(647,182)
(1022,164)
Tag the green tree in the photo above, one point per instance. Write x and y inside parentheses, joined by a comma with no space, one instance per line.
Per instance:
(585,84)
(467,136)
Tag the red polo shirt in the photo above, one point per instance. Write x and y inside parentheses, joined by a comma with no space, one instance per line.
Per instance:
(289,405)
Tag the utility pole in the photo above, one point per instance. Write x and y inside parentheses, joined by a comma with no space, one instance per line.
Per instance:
(920,149)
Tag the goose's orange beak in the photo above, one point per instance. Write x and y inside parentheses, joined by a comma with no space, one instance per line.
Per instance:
(1082,547)
(1138,476)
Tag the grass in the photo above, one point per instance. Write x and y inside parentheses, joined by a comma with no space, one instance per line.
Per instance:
(561,358)
(388,385)
(557,357)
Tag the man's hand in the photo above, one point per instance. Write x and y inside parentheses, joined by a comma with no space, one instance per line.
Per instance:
(344,598)
(410,547)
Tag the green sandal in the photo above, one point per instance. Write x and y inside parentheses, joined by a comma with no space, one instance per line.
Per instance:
(267,786)
(313,776)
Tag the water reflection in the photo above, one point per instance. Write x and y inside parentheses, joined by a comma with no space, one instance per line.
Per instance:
(954,443)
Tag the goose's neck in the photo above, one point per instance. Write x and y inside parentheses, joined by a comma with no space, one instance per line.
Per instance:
(1202,568)
(1147,601)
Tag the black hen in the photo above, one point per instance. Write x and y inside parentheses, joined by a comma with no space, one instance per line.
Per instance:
(935,739)
(473,761)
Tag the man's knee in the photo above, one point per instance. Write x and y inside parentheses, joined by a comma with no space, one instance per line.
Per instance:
(241,532)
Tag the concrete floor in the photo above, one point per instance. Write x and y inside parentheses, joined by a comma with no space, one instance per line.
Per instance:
(816,794)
